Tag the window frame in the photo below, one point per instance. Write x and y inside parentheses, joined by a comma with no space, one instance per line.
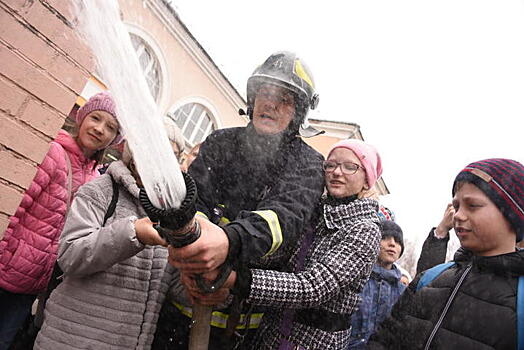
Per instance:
(164,74)
(207,109)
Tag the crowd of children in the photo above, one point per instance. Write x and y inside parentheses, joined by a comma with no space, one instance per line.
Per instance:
(332,284)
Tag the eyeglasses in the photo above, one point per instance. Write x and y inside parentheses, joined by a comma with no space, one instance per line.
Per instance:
(347,168)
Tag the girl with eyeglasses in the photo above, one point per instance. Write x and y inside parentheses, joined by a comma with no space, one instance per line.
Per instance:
(310,305)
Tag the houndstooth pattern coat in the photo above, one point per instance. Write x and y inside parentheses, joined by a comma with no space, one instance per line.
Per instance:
(336,267)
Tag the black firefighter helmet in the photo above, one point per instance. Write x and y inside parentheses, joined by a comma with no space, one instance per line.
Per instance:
(286,70)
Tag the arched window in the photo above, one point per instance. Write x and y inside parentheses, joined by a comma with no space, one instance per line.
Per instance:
(195,122)
(149,63)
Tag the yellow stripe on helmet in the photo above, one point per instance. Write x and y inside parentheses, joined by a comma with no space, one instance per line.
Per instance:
(301,72)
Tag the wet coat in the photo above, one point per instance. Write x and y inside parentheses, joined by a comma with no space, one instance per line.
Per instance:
(28,249)
(482,315)
(114,285)
(264,190)
(378,297)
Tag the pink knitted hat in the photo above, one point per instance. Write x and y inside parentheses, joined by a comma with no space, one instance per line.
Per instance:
(368,156)
(103,101)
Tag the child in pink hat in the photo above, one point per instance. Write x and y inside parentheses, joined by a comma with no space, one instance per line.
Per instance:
(310,305)
(368,156)
(29,246)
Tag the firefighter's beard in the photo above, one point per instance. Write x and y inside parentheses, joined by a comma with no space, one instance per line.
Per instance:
(262,148)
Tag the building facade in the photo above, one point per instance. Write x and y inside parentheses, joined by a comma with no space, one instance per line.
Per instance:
(44,68)
(47,71)
(183,79)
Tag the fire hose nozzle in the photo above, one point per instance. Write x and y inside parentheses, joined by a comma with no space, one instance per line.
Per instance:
(176,226)
(179,228)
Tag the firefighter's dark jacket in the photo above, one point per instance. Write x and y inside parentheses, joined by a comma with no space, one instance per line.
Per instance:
(265,187)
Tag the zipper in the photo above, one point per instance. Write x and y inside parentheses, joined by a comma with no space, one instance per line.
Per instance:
(446,308)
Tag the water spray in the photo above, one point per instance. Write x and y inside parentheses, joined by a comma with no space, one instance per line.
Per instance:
(168,196)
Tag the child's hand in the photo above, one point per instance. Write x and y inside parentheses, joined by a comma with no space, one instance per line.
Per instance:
(146,234)
(446,224)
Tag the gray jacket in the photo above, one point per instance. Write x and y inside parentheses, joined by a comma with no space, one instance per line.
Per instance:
(113,285)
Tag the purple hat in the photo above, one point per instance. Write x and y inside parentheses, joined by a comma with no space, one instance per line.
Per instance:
(103,101)
(502,180)
(368,156)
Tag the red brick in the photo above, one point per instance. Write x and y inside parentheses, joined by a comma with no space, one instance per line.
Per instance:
(4,221)
(42,118)
(52,27)
(35,81)
(21,140)
(16,170)
(9,199)
(60,34)
(25,41)
(65,8)
(76,47)
(42,53)
(68,74)
(18,5)
(11,98)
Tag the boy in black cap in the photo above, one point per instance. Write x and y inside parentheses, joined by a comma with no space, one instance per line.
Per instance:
(382,289)
(472,302)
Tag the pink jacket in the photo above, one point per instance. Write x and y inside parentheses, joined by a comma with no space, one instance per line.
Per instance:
(28,249)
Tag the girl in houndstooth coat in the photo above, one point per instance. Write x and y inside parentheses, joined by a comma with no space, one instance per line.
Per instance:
(310,306)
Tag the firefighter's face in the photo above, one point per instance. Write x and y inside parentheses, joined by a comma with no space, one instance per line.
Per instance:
(274,109)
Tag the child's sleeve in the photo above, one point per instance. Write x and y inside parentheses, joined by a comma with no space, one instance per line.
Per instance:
(346,265)
(85,246)
(392,331)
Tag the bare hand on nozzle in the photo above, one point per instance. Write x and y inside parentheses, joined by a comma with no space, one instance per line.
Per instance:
(146,234)
(205,254)
(197,296)
(446,224)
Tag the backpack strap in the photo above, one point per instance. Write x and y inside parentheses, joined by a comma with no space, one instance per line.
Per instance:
(114,199)
(520,314)
(432,273)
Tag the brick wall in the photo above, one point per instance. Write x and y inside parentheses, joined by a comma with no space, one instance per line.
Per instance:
(44,67)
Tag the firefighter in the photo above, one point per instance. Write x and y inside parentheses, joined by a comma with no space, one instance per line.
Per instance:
(258,187)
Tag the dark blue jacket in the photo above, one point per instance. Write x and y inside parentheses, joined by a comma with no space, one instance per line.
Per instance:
(378,297)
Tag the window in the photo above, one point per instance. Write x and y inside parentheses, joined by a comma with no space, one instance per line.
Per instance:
(195,122)
(149,63)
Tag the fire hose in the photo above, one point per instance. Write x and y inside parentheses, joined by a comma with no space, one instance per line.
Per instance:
(179,228)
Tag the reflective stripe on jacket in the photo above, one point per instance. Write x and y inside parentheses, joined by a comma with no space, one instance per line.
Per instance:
(219,319)
(268,201)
